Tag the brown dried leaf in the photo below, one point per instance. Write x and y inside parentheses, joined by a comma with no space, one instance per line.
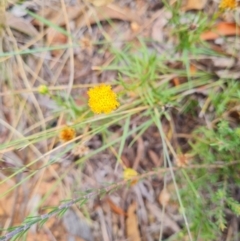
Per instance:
(126,162)
(164,197)
(21,25)
(132,223)
(176,81)
(57,16)
(225,74)
(155,158)
(169,222)
(115,12)
(194,5)
(159,24)
(221,29)
(6,203)
(193,70)
(108,12)
(223,62)
(54,38)
(116,209)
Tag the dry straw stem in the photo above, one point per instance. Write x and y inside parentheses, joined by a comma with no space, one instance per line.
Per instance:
(50,88)
(2,16)
(105,190)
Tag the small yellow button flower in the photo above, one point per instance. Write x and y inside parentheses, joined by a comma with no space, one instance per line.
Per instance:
(130,174)
(67,134)
(228,4)
(43,89)
(102,99)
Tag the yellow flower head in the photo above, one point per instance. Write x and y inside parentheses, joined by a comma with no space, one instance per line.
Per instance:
(228,4)
(130,174)
(43,89)
(67,134)
(102,99)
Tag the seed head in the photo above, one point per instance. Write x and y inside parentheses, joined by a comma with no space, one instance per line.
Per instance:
(67,134)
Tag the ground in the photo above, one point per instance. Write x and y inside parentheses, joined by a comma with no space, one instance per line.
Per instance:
(119,120)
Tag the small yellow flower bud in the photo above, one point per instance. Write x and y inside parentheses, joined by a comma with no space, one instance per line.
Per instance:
(130,174)
(43,89)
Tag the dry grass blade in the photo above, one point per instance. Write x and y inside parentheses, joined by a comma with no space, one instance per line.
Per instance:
(99,3)
(2,16)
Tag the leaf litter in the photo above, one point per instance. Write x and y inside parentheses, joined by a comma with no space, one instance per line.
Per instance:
(136,217)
